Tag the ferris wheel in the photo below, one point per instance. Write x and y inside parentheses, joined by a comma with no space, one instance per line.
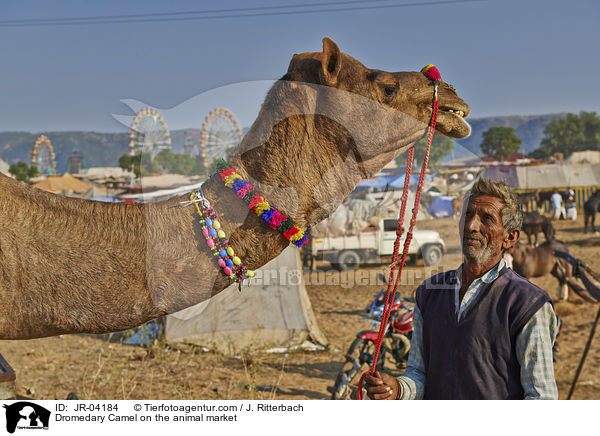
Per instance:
(149,133)
(189,142)
(220,131)
(42,156)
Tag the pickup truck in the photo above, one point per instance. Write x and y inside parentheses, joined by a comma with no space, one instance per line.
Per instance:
(348,252)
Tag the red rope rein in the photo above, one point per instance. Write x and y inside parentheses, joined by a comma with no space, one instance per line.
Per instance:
(390,295)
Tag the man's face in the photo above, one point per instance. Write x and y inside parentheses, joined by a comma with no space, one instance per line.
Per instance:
(481,229)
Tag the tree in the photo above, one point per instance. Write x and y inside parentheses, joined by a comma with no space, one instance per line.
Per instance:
(175,163)
(148,165)
(23,172)
(199,169)
(166,160)
(131,163)
(569,134)
(441,146)
(184,163)
(500,142)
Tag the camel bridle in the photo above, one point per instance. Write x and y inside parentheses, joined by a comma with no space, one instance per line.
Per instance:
(432,73)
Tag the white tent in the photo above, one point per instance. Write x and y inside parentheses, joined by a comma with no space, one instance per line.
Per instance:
(274,310)
(584,157)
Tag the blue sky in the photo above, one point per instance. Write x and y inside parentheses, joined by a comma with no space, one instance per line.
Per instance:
(509,57)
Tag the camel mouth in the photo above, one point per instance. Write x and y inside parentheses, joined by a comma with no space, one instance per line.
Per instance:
(462,112)
(451,121)
(458,112)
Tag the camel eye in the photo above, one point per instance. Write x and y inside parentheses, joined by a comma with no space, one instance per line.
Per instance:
(389,91)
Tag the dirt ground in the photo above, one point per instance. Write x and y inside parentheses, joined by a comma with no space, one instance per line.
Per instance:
(51,368)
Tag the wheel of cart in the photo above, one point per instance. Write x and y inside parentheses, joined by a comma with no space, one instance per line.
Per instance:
(347,260)
(432,254)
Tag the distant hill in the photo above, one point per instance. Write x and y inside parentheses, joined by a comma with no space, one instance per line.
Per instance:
(530,128)
(104,149)
(97,149)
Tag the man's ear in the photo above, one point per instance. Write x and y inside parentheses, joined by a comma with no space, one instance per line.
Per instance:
(510,239)
(331,62)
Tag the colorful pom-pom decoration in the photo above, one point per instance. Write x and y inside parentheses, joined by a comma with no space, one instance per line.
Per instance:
(260,206)
(431,72)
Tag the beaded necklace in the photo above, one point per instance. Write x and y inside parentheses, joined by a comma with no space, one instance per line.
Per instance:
(217,241)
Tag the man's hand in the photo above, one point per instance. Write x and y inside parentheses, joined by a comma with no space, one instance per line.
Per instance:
(382,386)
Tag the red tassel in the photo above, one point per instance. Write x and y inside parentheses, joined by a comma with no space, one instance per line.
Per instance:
(431,72)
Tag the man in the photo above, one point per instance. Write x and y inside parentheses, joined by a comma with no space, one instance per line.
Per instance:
(481,331)
(571,206)
(557,209)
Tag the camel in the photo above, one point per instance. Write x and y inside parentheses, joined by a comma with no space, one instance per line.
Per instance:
(534,223)
(539,261)
(72,266)
(590,208)
(457,204)
(527,197)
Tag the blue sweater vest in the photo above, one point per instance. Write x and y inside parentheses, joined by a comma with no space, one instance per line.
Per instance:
(474,358)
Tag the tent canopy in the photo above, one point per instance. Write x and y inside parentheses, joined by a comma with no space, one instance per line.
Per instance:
(441,206)
(546,176)
(394,181)
(273,310)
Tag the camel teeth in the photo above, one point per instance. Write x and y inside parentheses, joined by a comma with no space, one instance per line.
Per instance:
(459,113)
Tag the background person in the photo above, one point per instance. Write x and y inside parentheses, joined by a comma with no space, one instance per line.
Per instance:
(571,207)
(557,211)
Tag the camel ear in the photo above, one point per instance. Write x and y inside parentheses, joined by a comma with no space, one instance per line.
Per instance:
(331,61)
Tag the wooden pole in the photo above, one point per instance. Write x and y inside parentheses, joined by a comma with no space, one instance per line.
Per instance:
(585,351)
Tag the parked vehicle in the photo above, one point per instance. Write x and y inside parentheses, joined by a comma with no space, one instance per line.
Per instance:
(348,252)
(394,348)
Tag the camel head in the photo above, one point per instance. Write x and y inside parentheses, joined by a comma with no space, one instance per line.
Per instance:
(384,111)
(396,95)
(330,122)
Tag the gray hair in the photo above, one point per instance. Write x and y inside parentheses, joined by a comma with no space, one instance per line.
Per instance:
(512,215)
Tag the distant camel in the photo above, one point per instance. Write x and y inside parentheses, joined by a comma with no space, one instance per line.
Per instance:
(534,223)
(590,208)
(528,197)
(540,261)
(457,204)
(70,265)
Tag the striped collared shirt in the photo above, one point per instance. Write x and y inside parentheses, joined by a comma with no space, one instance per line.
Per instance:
(533,346)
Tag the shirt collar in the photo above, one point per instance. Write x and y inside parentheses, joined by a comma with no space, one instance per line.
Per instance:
(488,277)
